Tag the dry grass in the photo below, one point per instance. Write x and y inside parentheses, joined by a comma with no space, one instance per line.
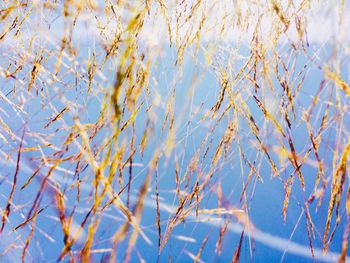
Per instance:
(90,123)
